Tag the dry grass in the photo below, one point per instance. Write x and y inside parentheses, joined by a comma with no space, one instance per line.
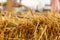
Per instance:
(30,27)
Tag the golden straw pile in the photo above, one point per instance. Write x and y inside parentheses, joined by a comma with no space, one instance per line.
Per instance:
(25,26)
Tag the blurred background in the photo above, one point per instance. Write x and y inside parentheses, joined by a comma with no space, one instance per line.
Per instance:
(35,5)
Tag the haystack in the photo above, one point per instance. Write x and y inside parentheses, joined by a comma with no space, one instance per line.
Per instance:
(26,26)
